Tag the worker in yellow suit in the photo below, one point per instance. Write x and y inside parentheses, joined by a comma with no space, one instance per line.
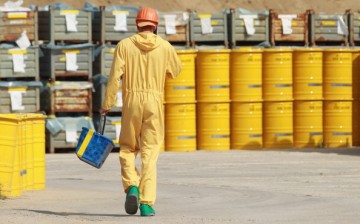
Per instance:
(142,61)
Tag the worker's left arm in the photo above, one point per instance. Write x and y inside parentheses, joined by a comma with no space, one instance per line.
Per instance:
(173,67)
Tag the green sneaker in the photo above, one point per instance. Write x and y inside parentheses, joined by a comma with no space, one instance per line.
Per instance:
(146,210)
(132,200)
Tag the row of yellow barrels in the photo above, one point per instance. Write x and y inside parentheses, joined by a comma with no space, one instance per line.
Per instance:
(22,153)
(257,125)
(274,74)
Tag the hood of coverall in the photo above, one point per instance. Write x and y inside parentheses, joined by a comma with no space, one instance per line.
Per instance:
(146,41)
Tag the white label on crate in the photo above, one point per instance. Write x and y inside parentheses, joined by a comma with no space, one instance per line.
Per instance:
(206,25)
(249,23)
(342,28)
(71,61)
(18,63)
(119,102)
(23,42)
(117,130)
(71,133)
(71,22)
(170,24)
(120,22)
(16,100)
(286,23)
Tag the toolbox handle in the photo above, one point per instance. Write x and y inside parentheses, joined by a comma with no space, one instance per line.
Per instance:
(102,124)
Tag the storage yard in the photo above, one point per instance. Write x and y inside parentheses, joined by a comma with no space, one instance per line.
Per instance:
(268,102)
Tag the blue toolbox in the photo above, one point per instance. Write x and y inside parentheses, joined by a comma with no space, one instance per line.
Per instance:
(93,148)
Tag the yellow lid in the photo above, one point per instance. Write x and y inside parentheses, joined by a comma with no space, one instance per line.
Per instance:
(247,49)
(215,51)
(278,49)
(338,49)
(190,51)
(308,49)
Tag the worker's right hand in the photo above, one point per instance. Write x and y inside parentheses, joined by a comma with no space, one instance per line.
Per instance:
(103,111)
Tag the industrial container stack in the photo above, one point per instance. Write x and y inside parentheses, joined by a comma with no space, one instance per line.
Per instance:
(66,71)
(247,28)
(111,24)
(356,95)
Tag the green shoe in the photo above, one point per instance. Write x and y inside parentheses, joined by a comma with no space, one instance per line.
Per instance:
(132,200)
(146,210)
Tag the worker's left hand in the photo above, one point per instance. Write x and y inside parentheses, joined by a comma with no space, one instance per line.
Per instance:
(103,111)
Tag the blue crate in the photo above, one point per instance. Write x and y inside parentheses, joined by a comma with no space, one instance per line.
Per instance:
(93,148)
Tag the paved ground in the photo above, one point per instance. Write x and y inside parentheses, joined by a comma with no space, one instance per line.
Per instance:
(203,187)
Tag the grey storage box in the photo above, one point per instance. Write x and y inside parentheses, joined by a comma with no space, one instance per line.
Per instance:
(103,60)
(20,97)
(100,82)
(112,127)
(66,25)
(174,27)
(54,63)
(106,27)
(25,65)
(329,29)
(354,27)
(199,34)
(63,132)
(248,27)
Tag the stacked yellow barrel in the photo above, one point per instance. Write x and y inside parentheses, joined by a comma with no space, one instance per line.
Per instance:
(278,98)
(308,95)
(180,106)
(356,95)
(337,64)
(213,99)
(246,98)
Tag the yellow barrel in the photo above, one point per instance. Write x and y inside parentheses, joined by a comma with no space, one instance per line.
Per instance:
(337,123)
(355,123)
(29,152)
(356,72)
(11,158)
(38,125)
(246,125)
(307,74)
(213,76)
(213,126)
(180,123)
(182,89)
(308,124)
(337,76)
(277,74)
(246,75)
(278,124)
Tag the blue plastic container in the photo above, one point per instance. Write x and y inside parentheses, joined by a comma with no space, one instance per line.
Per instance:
(93,148)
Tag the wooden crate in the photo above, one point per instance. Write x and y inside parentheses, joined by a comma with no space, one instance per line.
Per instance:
(324,29)
(30,96)
(219,25)
(53,63)
(12,24)
(299,26)
(239,34)
(31,60)
(52,26)
(105,20)
(182,35)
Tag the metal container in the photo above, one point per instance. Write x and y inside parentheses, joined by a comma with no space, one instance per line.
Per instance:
(246,27)
(218,34)
(354,25)
(13,23)
(174,27)
(103,61)
(298,33)
(328,28)
(100,82)
(107,27)
(53,25)
(112,126)
(57,60)
(29,57)
(67,96)
(19,97)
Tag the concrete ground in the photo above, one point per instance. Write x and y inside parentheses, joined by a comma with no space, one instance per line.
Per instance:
(314,186)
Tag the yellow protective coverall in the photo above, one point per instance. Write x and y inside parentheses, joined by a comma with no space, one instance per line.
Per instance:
(143,61)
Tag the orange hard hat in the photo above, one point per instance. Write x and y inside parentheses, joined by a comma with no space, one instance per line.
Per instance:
(147,17)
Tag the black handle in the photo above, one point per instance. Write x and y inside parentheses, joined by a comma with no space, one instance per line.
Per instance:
(102,124)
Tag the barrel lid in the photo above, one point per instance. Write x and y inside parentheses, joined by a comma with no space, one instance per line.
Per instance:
(214,51)
(338,49)
(188,51)
(308,49)
(278,49)
(247,49)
